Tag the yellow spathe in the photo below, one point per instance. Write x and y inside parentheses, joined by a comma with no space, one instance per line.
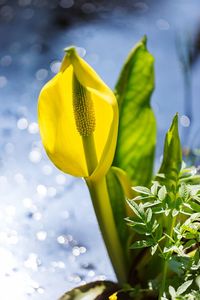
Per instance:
(60,136)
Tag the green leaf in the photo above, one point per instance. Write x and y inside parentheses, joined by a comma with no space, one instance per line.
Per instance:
(162,193)
(140,229)
(118,203)
(154,249)
(196,198)
(142,190)
(149,214)
(175,212)
(151,204)
(195,206)
(142,244)
(184,191)
(138,209)
(155,226)
(90,291)
(136,135)
(134,221)
(172,292)
(172,157)
(184,287)
(137,125)
(190,243)
(154,188)
(194,189)
(124,181)
(159,232)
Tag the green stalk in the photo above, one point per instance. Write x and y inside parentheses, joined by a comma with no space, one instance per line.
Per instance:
(101,203)
(165,265)
(164,275)
(103,210)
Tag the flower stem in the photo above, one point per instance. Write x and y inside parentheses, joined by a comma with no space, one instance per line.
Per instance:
(101,203)
(104,214)
(165,265)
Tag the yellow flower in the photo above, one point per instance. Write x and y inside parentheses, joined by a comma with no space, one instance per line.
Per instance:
(78,119)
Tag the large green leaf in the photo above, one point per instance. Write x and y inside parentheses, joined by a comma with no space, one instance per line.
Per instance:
(137,125)
(137,134)
(172,156)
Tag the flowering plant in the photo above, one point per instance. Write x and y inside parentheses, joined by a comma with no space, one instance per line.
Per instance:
(150,224)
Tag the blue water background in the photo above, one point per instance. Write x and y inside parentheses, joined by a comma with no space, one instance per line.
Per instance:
(49,238)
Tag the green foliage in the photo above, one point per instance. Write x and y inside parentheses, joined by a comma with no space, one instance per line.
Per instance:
(167,221)
(136,145)
(172,157)
(163,214)
(137,125)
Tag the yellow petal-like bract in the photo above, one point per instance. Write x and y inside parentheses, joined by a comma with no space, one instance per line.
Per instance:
(74,105)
